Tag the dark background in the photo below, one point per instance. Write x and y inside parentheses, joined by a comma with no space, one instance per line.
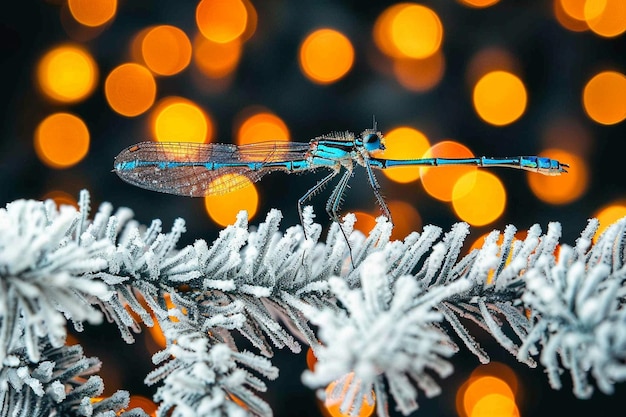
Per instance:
(555,63)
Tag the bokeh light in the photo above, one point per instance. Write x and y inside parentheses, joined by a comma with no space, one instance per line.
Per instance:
(176,119)
(561,189)
(492,405)
(606,18)
(416,31)
(333,405)
(261,127)
(490,59)
(61,198)
(419,75)
(406,219)
(408,30)
(609,214)
(326,56)
(491,390)
(166,50)
(221,21)
(570,14)
(479,4)
(365,222)
(223,208)
(130,89)
(478,198)
(499,98)
(440,181)
(146,404)
(61,140)
(404,143)
(92,12)
(311,360)
(67,73)
(604,97)
(216,60)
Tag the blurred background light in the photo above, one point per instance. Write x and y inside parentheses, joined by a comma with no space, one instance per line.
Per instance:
(92,12)
(478,198)
(333,403)
(570,14)
(176,119)
(479,4)
(166,50)
(608,214)
(404,143)
(221,21)
(440,181)
(261,127)
(491,390)
(214,59)
(67,73)
(415,31)
(365,222)
(326,56)
(420,75)
(606,18)
(130,89)
(604,97)
(61,198)
(561,189)
(499,98)
(223,208)
(61,140)
(406,219)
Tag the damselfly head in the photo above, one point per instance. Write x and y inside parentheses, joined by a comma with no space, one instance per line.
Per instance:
(372,140)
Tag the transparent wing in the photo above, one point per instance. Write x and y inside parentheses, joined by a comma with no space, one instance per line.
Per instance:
(199,169)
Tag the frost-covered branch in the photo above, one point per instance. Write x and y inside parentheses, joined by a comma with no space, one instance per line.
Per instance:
(388,315)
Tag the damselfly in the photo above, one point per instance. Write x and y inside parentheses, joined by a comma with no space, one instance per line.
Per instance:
(191,169)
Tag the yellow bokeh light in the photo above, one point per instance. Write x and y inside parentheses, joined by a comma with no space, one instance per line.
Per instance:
(570,14)
(262,127)
(606,18)
(326,55)
(479,4)
(92,12)
(419,74)
(604,97)
(404,143)
(609,214)
(481,386)
(146,404)
(416,31)
(382,31)
(311,360)
(61,198)
(479,198)
(561,189)
(499,369)
(333,405)
(439,181)
(495,405)
(221,21)
(67,73)
(216,60)
(61,140)
(130,89)
(406,219)
(166,50)
(365,222)
(223,208)
(499,98)
(176,119)
(487,60)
